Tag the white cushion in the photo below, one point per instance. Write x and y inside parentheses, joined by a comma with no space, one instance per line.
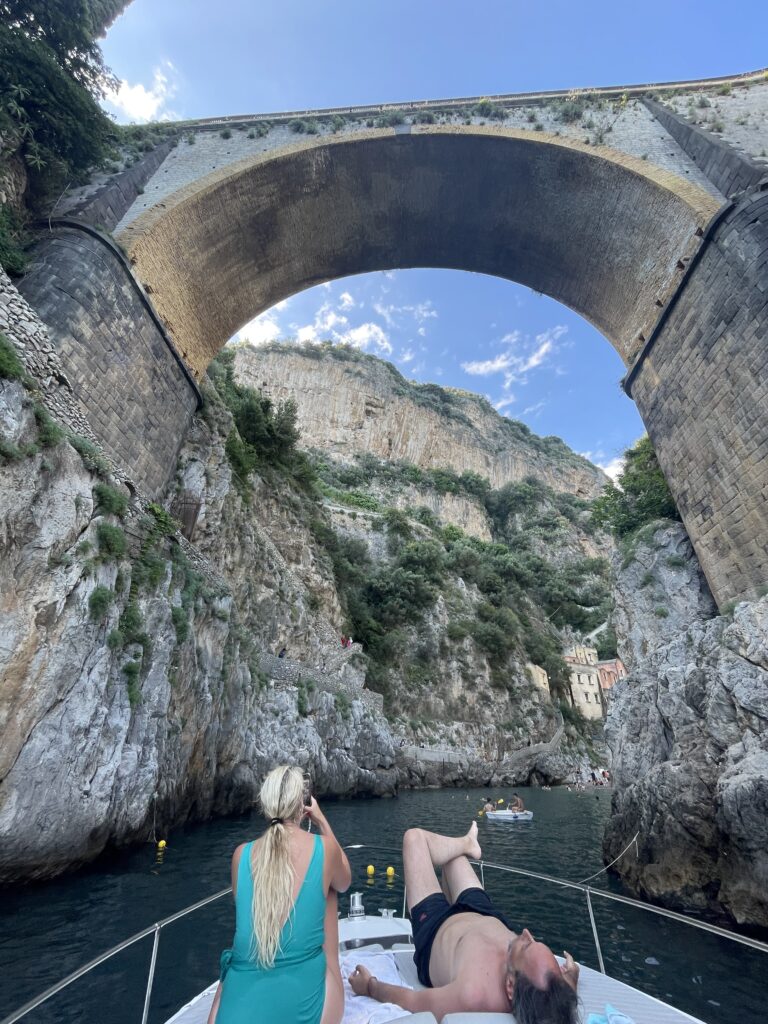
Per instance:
(478,1018)
(413,1018)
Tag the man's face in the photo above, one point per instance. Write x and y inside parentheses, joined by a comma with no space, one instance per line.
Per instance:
(533,959)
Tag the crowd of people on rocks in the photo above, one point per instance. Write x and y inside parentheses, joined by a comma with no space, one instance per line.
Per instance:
(284,962)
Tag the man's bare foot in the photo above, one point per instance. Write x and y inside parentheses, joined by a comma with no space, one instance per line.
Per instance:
(474,852)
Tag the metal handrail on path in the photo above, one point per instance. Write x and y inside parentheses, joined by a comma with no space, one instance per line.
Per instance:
(588,891)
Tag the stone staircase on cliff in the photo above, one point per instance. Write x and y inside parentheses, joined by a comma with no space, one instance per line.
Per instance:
(412,756)
(334,673)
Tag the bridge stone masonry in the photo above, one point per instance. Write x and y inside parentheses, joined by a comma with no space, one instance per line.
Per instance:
(645,209)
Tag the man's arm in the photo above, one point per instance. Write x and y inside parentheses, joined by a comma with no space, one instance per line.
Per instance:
(446,999)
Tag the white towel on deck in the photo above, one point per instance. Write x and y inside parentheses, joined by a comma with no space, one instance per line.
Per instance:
(361,1009)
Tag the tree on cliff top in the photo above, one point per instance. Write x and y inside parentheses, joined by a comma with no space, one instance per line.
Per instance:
(68,29)
(51,73)
(642,495)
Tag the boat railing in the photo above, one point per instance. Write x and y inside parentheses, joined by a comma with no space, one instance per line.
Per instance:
(483,865)
(153,929)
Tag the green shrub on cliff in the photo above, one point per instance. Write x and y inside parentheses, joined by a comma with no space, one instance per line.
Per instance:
(641,497)
(109,500)
(99,601)
(13,258)
(112,542)
(266,435)
(11,367)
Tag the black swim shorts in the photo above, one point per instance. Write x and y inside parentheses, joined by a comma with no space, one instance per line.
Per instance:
(433,911)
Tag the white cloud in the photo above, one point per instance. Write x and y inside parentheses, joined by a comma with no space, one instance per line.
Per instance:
(407,356)
(346,301)
(366,336)
(612,467)
(536,358)
(327,318)
(422,332)
(485,367)
(139,103)
(262,330)
(391,314)
(534,410)
(521,355)
(422,311)
(385,312)
(511,339)
(307,333)
(504,403)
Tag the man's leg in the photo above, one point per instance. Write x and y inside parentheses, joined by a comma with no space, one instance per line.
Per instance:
(459,875)
(424,851)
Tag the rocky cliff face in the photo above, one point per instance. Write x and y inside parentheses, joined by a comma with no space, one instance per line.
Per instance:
(133,693)
(688,730)
(348,402)
(139,683)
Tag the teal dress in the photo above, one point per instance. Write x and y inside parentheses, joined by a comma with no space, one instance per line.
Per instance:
(293,990)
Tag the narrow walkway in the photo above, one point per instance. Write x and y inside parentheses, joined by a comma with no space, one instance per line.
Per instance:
(449,755)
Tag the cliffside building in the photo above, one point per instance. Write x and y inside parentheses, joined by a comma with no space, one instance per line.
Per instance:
(538,676)
(585,689)
(611,671)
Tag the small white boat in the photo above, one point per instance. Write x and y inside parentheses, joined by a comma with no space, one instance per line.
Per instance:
(509,815)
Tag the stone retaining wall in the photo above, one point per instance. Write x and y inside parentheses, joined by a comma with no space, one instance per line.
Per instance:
(105,205)
(729,171)
(349,685)
(702,391)
(131,385)
(30,336)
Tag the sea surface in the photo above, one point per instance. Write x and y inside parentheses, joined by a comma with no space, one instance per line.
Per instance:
(47,930)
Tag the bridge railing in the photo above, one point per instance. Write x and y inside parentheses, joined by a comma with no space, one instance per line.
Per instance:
(511,99)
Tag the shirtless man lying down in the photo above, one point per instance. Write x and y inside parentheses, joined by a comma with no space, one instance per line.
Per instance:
(467,954)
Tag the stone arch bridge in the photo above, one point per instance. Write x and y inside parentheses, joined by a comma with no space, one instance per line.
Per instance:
(632,206)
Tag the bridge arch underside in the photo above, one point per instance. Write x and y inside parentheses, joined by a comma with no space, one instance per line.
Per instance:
(621,242)
(597,230)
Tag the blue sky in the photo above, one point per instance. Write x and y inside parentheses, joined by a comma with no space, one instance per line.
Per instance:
(536,360)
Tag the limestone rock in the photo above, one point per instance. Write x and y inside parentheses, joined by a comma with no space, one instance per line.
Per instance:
(89,757)
(347,406)
(688,731)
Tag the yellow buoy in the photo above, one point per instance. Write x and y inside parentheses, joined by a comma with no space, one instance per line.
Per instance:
(480,814)
(161,845)
(390,872)
(500,801)
(370,870)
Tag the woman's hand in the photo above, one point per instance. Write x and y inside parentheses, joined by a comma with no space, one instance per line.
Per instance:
(359,979)
(313,812)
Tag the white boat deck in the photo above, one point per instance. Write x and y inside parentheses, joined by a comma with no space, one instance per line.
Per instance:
(374,936)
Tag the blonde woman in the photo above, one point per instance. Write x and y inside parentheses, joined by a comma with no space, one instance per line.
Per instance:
(284,962)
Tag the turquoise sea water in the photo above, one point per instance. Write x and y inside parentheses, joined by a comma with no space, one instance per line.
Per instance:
(48,930)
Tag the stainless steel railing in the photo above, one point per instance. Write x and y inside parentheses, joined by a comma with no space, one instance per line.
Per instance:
(153,929)
(589,892)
